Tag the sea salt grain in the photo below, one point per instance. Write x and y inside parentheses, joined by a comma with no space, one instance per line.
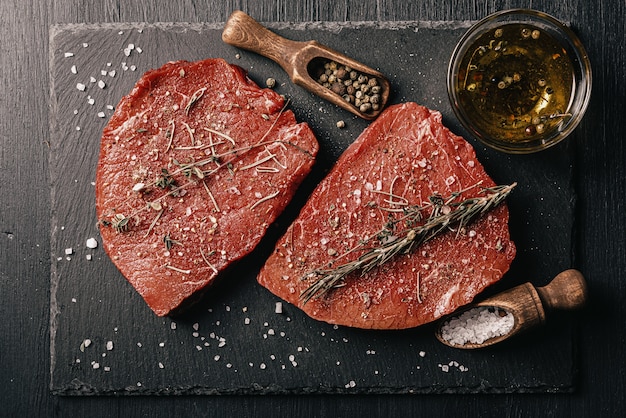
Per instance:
(477,325)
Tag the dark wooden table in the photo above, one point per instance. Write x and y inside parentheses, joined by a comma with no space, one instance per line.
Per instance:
(25,253)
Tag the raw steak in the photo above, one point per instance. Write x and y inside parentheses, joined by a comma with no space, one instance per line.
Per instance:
(195,164)
(403,158)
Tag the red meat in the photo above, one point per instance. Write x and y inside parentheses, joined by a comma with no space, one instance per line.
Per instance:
(403,158)
(195,164)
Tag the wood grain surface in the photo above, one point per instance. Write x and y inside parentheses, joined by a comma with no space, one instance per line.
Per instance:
(25,251)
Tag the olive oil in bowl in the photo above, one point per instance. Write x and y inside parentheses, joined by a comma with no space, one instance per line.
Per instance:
(517,85)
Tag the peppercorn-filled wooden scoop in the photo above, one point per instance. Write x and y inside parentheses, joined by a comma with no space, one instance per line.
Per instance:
(517,310)
(304,63)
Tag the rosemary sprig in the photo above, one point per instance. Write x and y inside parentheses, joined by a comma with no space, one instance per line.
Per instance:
(445,214)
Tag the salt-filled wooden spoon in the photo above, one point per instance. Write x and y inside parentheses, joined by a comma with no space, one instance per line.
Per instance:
(511,312)
(304,62)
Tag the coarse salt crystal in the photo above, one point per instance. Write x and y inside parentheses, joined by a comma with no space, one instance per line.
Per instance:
(101,84)
(101,114)
(81,86)
(109,345)
(91,243)
(477,325)
(73,69)
(69,251)
(278,308)
(68,54)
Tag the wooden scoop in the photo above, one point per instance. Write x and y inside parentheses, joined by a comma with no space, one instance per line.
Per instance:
(302,61)
(528,305)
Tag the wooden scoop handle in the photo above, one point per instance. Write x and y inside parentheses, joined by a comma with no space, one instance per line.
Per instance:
(567,291)
(244,32)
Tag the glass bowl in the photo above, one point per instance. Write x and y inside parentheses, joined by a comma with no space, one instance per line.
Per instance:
(519,80)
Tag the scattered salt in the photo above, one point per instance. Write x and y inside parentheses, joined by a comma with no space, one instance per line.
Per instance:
(73,69)
(68,54)
(81,86)
(278,308)
(91,243)
(69,251)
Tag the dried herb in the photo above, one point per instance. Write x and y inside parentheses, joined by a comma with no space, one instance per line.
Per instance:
(445,214)
(169,242)
(194,99)
(165,180)
(120,222)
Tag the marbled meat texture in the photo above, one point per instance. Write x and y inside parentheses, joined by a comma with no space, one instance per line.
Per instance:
(195,164)
(402,158)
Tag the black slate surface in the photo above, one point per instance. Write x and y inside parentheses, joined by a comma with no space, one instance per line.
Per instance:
(234,342)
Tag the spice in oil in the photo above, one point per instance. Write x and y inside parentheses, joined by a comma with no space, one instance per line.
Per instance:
(515,83)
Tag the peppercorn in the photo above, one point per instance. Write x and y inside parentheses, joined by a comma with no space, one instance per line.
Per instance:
(365,107)
(270,83)
(530,130)
(338,88)
(354,87)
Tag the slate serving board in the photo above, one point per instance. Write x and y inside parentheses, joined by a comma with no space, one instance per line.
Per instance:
(105,340)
